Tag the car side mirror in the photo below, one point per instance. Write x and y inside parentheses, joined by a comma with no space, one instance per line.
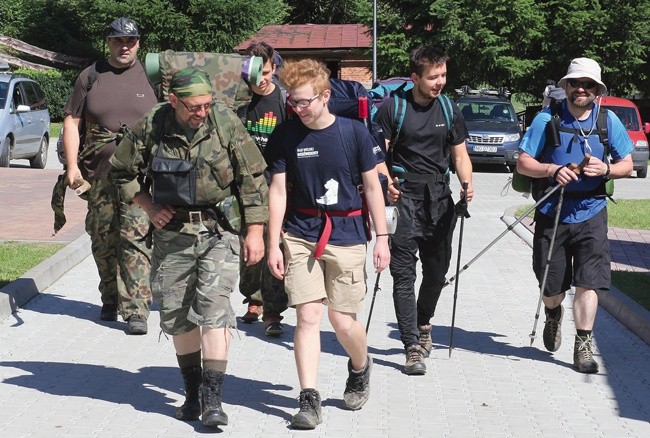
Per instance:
(23,109)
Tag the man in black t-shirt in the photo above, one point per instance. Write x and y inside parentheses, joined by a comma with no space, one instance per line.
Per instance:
(426,222)
(264,293)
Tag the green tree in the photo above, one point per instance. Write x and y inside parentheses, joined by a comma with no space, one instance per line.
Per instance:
(327,11)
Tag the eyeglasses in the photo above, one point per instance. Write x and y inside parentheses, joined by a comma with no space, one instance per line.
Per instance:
(303,103)
(197,108)
(585,85)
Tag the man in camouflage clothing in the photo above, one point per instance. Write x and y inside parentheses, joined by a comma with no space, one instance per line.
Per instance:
(195,261)
(106,95)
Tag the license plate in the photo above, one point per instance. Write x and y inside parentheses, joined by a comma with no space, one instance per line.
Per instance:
(479,148)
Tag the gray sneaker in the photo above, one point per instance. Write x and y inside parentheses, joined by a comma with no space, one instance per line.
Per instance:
(415,365)
(137,325)
(425,339)
(583,355)
(553,331)
(357,387)
(310,414)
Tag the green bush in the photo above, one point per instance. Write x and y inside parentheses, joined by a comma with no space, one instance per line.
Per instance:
(57,86)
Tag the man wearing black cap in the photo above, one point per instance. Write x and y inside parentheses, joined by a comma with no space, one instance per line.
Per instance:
(108,94)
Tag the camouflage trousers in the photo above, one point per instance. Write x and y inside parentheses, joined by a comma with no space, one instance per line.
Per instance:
(193,276)
(257,283)
(116,230)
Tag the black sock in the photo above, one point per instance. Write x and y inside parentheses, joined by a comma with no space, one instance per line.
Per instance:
(553,313)
(583,333)
(189,360)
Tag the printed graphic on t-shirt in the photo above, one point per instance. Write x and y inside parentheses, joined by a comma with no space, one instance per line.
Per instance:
(331,196)
(262,128)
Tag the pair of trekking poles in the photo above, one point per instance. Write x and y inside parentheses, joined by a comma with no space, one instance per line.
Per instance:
(461,211)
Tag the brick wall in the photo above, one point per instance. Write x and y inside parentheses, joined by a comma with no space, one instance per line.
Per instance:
(357,73)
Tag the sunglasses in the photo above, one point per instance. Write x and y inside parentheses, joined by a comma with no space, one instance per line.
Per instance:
(585,85)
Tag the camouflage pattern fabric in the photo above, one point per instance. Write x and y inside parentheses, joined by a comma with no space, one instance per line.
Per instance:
(224,71)
(257,283)
(227,160)
(102,224)
(97,137)
(194,275)
(122,263)
(134,262)
(190,82)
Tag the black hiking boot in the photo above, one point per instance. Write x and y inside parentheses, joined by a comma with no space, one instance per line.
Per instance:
(357,387)
(310,414)
(137,325)
(415,365)
(212,414)
(425,339)
(553,330)
(191,409)
(583,355)
(108,312)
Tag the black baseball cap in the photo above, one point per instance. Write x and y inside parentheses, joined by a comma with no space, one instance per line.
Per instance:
(123,27)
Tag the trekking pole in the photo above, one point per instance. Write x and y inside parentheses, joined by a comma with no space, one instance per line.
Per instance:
(461,211)
(547,265)
(510,227)
(372,303)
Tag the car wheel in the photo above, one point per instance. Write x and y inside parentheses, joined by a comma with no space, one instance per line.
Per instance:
(5,152)
(39,160)
(642,173)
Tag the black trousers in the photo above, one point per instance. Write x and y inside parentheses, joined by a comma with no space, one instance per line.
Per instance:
(424,228)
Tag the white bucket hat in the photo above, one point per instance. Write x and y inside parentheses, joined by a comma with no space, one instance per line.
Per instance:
(584,68)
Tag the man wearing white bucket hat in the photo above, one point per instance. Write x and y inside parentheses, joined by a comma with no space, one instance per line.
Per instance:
(576,130)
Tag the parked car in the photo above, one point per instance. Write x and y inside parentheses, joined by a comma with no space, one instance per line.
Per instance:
(629,115)
(493,126)
(24,120)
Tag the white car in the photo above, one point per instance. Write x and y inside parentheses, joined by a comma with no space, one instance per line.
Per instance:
(24,121)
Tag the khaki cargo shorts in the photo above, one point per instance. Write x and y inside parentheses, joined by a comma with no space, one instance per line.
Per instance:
(338,277)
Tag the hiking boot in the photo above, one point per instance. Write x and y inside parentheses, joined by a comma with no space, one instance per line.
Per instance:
(191,409)
(137,325)
(415,365)
(108,313)
(425,339)
(357,387)
(553,330)
(272,325)
(254,311)
(211,412)
(583,355)
(310,414)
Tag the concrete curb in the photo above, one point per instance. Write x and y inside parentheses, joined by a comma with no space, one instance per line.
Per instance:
(17,293)
(624,309)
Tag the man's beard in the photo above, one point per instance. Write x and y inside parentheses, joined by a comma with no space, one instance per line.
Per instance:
(588,100)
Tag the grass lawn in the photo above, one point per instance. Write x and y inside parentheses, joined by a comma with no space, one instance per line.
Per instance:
(17,258)
(55,129)
(632,214)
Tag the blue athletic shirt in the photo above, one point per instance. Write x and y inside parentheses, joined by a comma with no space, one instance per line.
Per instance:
(572,150)
(318,176)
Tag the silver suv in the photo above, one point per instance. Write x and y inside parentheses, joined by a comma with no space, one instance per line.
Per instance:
(24,120)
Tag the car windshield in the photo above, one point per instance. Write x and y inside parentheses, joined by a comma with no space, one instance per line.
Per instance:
(487,112)
(627,116)
(4,86)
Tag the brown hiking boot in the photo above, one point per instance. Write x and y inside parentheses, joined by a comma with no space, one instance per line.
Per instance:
(425,339)
(255,309)
(583,355)
(415,365)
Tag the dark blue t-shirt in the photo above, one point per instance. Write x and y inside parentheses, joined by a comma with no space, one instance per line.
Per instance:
(318,176)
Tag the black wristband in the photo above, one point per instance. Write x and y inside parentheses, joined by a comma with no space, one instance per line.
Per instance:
(558,171)
(379,235)
(607,172)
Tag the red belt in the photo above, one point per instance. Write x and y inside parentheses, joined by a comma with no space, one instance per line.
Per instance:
(327,230)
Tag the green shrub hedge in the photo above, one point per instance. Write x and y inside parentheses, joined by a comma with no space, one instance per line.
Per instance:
(57,86)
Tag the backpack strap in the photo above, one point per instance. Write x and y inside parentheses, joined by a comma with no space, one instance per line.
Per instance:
(398,118)
(448,111)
